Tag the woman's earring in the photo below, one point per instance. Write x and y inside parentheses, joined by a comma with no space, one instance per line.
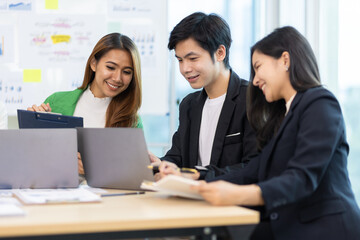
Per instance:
(287,68)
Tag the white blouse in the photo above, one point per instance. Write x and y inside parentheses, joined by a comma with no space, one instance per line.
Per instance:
(92,109)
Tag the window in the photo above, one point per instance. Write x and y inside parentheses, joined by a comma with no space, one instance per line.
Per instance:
(348,84)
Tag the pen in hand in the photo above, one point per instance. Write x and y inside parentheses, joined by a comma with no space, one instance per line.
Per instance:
(122,194)
(183,170)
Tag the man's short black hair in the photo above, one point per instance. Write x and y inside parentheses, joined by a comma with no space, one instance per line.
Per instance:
(210,31)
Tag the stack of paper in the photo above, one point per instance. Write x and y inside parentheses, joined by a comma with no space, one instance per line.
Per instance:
(8,209)
(44,196)
(9,206)
(174,185)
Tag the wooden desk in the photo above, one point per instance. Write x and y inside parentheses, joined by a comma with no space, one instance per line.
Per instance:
(126,217)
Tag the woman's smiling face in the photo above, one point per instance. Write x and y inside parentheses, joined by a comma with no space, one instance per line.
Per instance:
(113,73)
(272,76)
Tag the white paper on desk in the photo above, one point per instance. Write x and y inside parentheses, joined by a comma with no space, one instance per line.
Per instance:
(174,185)
(5,193)
(9,200)
(92,189)
(8,209)
(48,196)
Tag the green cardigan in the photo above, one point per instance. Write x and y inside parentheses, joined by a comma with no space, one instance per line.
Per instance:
(65,103)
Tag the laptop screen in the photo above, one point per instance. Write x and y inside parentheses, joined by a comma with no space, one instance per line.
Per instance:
(38,158)
(114,157)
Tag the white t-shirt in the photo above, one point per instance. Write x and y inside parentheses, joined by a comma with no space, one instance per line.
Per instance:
(3,116)
(209,120)
(92,109)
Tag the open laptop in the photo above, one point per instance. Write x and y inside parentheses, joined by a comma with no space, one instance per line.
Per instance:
(38,158)
(114,157)
(30,119)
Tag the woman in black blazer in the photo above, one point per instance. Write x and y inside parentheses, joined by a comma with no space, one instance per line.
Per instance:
(299,181)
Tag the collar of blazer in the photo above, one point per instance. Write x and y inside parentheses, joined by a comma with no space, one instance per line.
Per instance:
(232,91)
(224,120)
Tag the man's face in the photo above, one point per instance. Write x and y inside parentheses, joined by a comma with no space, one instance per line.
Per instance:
(196,64)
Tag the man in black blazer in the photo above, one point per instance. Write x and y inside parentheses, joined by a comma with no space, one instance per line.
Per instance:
(213,129)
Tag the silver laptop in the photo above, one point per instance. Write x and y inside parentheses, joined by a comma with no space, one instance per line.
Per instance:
(114,157)
(38,158)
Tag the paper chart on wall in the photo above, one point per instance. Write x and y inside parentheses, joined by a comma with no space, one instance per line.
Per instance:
(145,22)
(145,38)
(6,43)
(153,54)
(17,92)
(11,90)
(3,5)
(21,5)
(58,40)
(132,8)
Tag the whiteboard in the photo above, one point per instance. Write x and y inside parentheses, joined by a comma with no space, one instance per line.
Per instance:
(44,46)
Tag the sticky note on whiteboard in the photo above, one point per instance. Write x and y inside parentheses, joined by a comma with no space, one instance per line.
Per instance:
(32,75)
(51,4)
(60,38)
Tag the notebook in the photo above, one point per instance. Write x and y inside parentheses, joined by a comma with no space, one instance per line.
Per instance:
(174,185)
(30,119)
(114,157)
(38,158)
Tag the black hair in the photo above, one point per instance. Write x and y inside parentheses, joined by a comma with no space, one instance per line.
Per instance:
(210,31)
(266,117)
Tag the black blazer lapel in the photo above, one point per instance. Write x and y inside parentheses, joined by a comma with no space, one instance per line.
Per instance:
(267,151)
(225,118)
(195,116)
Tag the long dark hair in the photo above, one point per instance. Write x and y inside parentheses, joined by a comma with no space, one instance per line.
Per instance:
(266,117)
(123,108)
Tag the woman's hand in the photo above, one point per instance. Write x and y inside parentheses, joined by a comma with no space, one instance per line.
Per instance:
(42,108)
(218,193)
(80,165)
(221,193)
